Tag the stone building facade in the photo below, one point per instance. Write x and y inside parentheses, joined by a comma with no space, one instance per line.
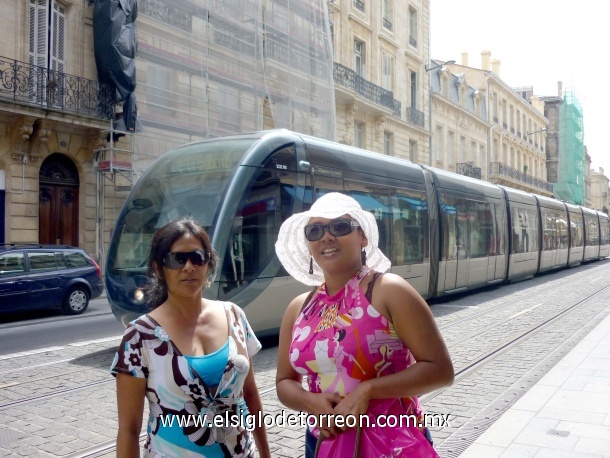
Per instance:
(381,85)
(599,191)
(459,124)
(52,118)
(516,140)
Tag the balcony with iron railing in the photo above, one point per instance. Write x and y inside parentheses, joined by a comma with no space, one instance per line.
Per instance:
(468,169)
(39,87)
(349,79)
(503,170)
(416,117)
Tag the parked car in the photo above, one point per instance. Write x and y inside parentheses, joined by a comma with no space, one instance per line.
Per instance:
(47,276)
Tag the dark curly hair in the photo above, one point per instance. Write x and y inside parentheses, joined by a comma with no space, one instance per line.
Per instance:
(163,239)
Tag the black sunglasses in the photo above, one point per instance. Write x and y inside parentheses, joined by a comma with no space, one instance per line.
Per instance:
(177,259)
(337,228)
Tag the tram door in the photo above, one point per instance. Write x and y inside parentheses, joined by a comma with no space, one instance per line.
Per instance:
(455,243)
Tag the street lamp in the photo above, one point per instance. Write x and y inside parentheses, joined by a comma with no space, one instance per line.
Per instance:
(429,69)
(536,131)
(449,62)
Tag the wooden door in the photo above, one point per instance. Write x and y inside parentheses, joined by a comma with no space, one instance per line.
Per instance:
(58,215)
(58,201)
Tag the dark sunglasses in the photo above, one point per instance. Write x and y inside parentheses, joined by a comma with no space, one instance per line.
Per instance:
(177,259)
(337,228)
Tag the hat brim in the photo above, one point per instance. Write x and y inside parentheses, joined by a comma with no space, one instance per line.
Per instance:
(292,247)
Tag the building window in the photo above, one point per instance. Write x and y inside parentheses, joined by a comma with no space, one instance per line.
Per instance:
(387,14)
(387,144)
(413,89)
(412,151)
(450,148)
(413,27)
(47,34)
(438,143)
(388,71)
(158,87)
(358,4)
(358,134)
(359,58)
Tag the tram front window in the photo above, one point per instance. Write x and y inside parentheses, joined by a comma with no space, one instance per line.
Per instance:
(188,181)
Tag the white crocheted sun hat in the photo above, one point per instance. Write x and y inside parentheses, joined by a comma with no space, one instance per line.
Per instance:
(292,247)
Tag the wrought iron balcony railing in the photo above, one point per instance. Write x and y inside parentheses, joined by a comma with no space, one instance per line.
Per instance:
(414,116)
(468,169)
(498,168)
(43,88)
(349,79)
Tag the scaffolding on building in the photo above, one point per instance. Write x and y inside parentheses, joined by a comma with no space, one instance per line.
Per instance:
(570,185)
(114,164)
(215,68)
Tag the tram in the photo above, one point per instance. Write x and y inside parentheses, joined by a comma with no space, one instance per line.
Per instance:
(445,233)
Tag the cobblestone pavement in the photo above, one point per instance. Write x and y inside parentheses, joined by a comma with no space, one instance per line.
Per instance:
(61,402)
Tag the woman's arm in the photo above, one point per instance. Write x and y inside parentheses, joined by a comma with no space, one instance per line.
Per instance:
(130,393)
(255,405)
(288,382)
(415,325)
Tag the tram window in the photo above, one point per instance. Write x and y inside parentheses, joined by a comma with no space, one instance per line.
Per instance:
(524,230)
(592,232)
(576,230)
(532,229)
(455,227)
(374,199)
(500,217)
(481,228)
(562,230)
(549,235)
(251,243)
(605,232)
(409,227)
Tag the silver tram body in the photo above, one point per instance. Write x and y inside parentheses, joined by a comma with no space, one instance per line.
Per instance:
(443,232)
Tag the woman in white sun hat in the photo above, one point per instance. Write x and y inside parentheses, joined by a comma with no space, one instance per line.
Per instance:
(366,342)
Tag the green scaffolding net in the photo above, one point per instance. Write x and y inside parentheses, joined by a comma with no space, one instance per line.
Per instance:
(571,180)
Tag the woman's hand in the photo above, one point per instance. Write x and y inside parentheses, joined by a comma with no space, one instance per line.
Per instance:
(324,404)
(355,403)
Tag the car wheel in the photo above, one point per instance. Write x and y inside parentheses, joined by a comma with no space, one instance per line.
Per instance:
(76,301)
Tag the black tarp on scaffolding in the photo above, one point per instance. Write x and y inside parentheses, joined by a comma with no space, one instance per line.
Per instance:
(115,45)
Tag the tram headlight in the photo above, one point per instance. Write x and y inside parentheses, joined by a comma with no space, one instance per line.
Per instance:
(138,296)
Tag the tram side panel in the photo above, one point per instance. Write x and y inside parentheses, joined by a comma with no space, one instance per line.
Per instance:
(604,235)
(591,223)
(554,227)
(523,226)
(472,236)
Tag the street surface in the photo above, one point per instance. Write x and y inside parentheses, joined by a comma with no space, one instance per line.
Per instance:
(58,399)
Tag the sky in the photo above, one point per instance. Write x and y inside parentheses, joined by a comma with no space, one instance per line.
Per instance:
(538,42)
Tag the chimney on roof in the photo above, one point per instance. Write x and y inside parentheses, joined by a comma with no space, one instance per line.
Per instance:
(465,59)
(559,89)
(485,56)
(495,66)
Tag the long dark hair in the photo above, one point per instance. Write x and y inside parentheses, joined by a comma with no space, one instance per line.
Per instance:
(164,238)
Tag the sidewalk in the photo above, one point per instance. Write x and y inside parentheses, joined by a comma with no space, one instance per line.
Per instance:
(566,414)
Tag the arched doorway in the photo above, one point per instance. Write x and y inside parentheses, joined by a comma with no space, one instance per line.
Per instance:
(58,202)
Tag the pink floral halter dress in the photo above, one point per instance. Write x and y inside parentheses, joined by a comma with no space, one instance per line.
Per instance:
(339,341)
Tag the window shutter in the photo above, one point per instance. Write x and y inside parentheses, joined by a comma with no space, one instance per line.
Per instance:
(57,37)
(39,32)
